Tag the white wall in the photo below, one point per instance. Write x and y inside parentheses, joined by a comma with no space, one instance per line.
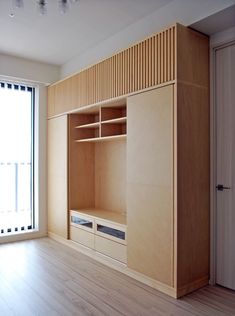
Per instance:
(183,11)
(39,75)
(28,70)
(222,37)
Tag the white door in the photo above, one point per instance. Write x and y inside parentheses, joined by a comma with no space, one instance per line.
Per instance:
(225,114)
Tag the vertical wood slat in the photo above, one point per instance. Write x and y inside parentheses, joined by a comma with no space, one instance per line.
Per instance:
(131,70)
(174,62)
(165,56)
(118,75)
(128,70)
(148,63)
(139,66)
(168,55)
(101,81)
(144,65)
(125,71)
(120,81)
(152,67)
(108,79)
(159,58)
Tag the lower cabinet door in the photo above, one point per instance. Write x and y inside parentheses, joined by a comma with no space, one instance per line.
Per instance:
(83,237)
(110,248)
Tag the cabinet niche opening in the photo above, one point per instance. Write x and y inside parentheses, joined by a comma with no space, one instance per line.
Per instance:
(112,113)
(113,129)
(88,119)
(104,124)
(88,133)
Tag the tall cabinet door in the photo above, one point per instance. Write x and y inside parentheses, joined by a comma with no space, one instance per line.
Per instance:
(57,176)
(150,184)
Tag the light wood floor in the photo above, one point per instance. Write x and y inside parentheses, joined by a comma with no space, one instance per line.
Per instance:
(43,277)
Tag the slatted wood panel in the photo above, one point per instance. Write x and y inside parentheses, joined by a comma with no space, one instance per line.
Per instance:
(146,64)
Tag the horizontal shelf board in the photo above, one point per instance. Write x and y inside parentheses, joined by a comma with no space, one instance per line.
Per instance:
(119,120)
(114,217)
(90,125)
(102,139)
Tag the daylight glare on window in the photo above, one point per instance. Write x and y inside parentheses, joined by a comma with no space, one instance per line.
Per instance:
(15,158)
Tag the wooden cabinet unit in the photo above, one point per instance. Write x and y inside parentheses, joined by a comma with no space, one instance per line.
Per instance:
(131,168)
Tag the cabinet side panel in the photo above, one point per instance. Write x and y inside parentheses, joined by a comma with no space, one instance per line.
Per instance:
(80,168)
(192,56)
(193,184)
(150,184)
(57,176)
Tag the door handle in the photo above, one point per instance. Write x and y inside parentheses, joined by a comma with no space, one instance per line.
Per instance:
(221,187)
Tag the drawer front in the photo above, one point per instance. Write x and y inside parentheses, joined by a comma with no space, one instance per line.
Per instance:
(110,231)
(83,237)
(110,248)
(82,221)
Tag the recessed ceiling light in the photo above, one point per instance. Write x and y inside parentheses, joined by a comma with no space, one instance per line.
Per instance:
(11,15)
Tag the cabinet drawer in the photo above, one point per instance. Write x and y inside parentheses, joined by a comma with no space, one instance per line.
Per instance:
(81,236)
(81,221)
(110,248)
(111,231)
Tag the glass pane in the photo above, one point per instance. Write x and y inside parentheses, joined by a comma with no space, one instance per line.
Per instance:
(111,231)
(16,126)
(81,221)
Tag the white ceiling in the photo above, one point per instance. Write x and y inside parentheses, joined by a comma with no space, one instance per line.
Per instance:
(93,29)
(217,22)
(57,38)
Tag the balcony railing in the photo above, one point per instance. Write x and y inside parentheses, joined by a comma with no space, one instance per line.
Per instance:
(15,197)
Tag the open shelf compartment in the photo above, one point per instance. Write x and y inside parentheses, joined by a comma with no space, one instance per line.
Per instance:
(107,123)
(111,113)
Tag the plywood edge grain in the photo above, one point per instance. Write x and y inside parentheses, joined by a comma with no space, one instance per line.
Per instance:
(175,176)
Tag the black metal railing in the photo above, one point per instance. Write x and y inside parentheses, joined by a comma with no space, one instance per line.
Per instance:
(15,196)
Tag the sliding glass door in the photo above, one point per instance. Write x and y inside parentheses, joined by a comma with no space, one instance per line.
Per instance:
(16,158)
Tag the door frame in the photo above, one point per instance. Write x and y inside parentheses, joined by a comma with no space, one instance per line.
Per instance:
(213,155)
(40,169)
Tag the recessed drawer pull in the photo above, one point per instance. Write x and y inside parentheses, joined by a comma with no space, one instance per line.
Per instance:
(81,221)
(111,231)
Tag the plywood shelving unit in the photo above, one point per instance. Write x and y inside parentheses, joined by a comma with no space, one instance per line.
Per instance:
(108,124)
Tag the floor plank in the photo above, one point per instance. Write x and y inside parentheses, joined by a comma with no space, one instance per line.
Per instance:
(43,277)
